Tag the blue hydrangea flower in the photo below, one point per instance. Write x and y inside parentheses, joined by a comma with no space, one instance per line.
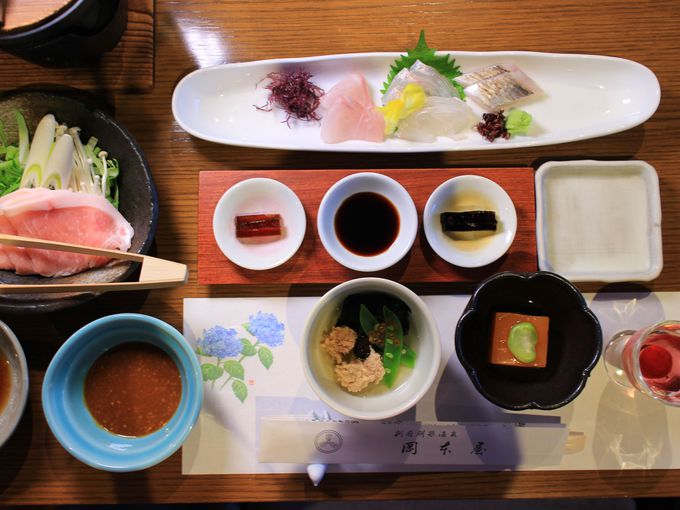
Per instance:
(266,328)
(220,342)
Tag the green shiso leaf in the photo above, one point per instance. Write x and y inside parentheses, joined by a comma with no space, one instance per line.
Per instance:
(444,64)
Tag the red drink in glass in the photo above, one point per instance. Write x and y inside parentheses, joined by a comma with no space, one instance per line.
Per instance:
(649,359)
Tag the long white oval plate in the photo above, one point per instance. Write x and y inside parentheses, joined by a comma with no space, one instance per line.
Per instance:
(586,96)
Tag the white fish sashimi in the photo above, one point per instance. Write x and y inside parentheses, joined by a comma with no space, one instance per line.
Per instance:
(441,116)
(432,81)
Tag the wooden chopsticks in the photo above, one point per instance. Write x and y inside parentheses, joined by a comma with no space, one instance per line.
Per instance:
(155,273)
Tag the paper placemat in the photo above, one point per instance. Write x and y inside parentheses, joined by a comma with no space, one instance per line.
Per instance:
(260,378)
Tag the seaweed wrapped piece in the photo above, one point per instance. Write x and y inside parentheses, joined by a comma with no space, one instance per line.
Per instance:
(468,221)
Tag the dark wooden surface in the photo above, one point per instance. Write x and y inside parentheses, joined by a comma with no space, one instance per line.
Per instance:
(34,469)
(129,66)
(312,264)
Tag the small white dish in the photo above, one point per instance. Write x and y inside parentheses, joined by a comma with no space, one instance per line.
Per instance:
(11,413)
(359,183)
(379,405)
(466,193)
(252,196)
(599,220)
(585,96)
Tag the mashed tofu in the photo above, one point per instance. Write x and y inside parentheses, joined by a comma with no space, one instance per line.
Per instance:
(338,342)
(356,375)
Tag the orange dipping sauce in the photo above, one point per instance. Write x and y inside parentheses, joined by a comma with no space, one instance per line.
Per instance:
(133,389)
(5,381)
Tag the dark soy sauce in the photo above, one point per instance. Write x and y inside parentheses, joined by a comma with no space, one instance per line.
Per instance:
(367,223)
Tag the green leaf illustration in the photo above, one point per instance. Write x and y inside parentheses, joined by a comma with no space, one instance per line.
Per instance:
(248,348)
(266,356)
(234,369)
(199,351)
(240,390)
(211,372)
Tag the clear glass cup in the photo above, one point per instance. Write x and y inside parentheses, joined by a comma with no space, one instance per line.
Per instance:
(647,360)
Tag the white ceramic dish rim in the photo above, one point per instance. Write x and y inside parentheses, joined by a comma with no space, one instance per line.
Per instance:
(292,200)
(654,207)
(381,285)
(354,146)
(408,224)
(488,254)
(21,399)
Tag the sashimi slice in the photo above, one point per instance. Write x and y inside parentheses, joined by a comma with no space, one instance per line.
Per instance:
(65,216)
(441,116)
(432,81)
(349,113)
(353,87)
(347,120)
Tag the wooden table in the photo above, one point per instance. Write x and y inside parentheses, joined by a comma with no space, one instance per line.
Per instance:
(34,469)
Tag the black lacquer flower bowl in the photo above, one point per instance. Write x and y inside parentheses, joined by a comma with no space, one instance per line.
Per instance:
(574,340)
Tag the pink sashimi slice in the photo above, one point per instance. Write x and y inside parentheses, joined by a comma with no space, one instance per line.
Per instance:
(346,120)
(353,87)
(350,113)
(64,216)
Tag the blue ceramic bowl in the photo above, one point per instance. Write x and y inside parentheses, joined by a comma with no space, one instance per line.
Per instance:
(69,418)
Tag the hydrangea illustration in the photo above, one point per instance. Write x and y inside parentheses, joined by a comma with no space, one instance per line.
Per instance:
(266,328)
(231,350)
(220,342)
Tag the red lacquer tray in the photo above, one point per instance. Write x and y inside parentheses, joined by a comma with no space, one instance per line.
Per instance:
(311,264)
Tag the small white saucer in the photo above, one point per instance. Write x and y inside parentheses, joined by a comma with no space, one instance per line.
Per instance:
(382,185)
(477,192)
(252,196)
(599,220)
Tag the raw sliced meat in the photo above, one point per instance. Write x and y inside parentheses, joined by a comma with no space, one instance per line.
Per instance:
(65,216)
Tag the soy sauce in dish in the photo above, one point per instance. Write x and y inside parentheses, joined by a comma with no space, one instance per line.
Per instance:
(133,389)
(5,381)
(366,223)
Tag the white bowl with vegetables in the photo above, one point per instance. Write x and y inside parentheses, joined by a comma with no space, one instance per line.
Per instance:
(57,147)
(370,348)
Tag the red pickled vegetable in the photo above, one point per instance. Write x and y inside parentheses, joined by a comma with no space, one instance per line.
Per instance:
(655,362)
(258,225)
(293,92)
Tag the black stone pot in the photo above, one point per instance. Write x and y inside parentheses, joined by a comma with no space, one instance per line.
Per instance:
(77,35)
(138,198)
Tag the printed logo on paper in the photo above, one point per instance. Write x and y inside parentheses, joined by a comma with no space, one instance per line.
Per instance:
(328,441)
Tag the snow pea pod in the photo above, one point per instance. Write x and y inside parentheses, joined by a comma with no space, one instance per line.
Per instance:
(394,340)
(367,320)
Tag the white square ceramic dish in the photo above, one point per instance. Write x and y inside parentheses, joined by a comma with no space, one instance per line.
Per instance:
(599,220)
